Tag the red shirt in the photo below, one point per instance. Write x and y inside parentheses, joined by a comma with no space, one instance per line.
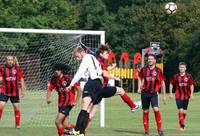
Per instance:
(10,76)
(103,67)
(152,79)
(64,97)
(182,85)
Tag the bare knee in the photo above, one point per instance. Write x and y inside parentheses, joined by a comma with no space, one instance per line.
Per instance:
(120,91)
(58,122)
(156,109)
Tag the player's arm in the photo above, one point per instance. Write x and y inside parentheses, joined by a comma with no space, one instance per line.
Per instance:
(170,90)
(107,75)
(22,87)
(78,94)
(49,90)
(140,84)
(163,88)
(192,91)
(112,66)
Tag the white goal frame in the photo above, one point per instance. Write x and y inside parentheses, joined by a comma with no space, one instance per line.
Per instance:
(53,31)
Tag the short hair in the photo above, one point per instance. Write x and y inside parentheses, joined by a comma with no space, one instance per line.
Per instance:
(102,48)
(65,69)
(78,49)
(182,63)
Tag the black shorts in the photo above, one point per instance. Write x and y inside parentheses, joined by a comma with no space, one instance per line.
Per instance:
(13,99)
(149,98)
(65,110)
(92,89)
(182,104)
(106,92)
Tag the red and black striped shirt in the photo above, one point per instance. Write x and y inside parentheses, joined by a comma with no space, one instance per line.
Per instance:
(103,67)
(152,79)
(10,76)
(182,85)
(64,97)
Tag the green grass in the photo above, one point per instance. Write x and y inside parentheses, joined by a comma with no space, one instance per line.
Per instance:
(38,119)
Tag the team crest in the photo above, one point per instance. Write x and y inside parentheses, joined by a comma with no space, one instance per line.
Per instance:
(186,79)
(154,73)
(14,71)
(64,83)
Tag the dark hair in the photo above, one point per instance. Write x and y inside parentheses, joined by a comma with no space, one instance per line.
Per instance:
(182,63)
(102,48)
(152,55)
(65,69)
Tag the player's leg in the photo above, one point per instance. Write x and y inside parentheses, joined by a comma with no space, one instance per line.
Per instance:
(179,104)
(59,123)
(155,106)
(3,100)
(66,123)
(185,106)
(83,115)
(145,106)
(16,107)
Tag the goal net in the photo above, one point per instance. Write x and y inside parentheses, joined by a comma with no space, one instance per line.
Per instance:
(37,51)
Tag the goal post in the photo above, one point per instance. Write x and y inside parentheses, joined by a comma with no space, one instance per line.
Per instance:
(37,50)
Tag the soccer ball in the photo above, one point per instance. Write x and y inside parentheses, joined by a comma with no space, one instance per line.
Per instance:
(170,8)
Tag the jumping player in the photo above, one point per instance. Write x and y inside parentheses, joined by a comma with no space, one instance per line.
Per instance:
(184,88)
(66,99)
(93,86)
(102,54)
(10,75)
(151,80)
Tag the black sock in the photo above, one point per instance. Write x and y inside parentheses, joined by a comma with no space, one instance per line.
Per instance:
(85,123)
(80,120)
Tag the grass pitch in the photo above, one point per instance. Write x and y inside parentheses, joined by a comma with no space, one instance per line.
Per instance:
(38,118)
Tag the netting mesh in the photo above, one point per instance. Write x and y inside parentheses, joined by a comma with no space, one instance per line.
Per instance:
(37,53)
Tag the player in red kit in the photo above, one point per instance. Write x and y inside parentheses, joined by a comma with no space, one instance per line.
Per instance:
(102,54)
(184,88)
(152,80)
(10,75)
(66,99)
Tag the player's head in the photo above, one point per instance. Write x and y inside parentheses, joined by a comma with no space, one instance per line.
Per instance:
(78,53)
(151,59)
(60,69)
(182,67)
(103,51)
(10,60)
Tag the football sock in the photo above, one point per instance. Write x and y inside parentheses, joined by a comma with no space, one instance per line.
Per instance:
(85,123)
(146,121)
(89,120)
(158,120)
(17,118)
(1,112)
(181,118)
(128,100)
(61,130)
(80,120)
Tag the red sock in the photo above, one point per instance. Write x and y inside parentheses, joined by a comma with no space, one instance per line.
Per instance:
(1,112)
(70,126)
(181,118)
(128,100)
(146,121)
(158,120)
(60,130)
(89,120)
(17,118)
